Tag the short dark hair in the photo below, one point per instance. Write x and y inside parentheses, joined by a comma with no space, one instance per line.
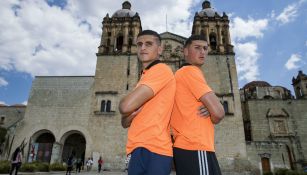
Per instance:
(150,32)
(193,38)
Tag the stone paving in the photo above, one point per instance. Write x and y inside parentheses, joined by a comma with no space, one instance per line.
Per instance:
(82,173)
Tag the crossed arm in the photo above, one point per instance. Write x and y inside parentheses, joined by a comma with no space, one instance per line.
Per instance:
(215,108)
(132,104)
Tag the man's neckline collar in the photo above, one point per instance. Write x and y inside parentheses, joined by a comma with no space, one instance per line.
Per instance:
(185,64)
(152,64)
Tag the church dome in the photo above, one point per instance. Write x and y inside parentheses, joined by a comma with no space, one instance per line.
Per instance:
(125,11)
(256,84)
(207,10)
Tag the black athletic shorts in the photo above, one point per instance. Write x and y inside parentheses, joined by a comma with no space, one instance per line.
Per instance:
(188,162)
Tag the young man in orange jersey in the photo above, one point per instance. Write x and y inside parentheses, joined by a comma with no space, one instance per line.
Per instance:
(194,133)
(147,110)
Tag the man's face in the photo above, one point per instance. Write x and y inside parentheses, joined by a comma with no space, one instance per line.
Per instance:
(196,53)
(148,48)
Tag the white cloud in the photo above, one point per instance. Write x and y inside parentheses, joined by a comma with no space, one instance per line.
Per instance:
(25,103)
(247,57)
(241,29)
(272,15)
(293,61)
(289,13)
(177,12)
(306,43)
(44,40)
(243,33)
(3,82)
(3,103)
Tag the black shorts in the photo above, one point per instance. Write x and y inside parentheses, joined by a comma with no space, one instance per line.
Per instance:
(188,162)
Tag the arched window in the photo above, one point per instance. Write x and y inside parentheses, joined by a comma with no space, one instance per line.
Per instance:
(247,131)
(224,36)
(119,43)
(44,148)
(107,50)
(225,105)
(129,44)
(103,106)
(108,107)
(2,119)
(298,92)
(213,42)
(108,46)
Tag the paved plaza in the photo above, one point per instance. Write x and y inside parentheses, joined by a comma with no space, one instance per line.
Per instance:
(82,173)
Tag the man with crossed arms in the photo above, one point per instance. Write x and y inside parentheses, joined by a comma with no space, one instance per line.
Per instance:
(193,132)
(147,110)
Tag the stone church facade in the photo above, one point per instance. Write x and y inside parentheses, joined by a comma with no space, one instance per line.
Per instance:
(78,115)
(275,124)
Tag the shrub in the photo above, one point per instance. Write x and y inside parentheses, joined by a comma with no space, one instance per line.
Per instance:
(42,167)
(284,171)
(28,167)
(57,167)
(293,173)
(281,171)
(268,173)
(5,167)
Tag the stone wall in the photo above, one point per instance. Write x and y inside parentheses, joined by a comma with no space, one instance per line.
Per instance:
(57,105)
(116,75)
(265,129)
(221,75)
(10,117)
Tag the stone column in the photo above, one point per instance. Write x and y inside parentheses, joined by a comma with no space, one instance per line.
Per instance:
(126,35)
(197,28)
(207,32)
(113,37)
(207,36)
(219,34)
(136,31)
(219,38)
(228,35)
(56,152)
(95,156)
(103,40)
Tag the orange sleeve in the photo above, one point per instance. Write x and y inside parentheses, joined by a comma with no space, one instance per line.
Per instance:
(157,78)
(195,81)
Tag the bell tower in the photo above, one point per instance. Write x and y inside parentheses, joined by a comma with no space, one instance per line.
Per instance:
(119,31)
(209,23)
(117,72)
(300,85)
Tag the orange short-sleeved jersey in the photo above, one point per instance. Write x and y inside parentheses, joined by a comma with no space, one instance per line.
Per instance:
(191,132)
(151,127)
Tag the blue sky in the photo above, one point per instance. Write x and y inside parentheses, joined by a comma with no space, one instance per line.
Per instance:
(60,38)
